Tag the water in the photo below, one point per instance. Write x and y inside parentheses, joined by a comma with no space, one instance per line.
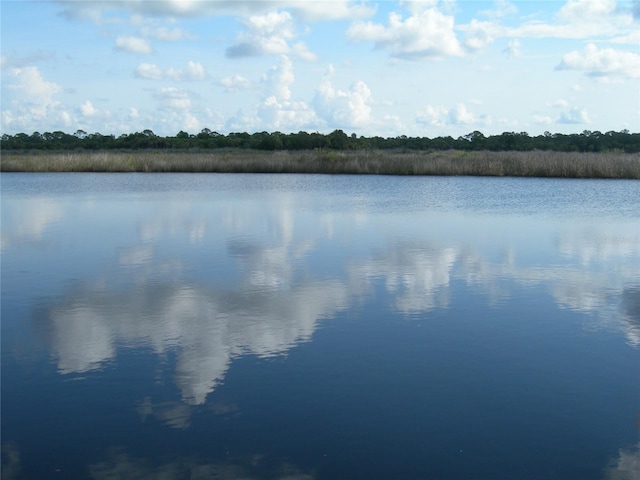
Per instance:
(319,327)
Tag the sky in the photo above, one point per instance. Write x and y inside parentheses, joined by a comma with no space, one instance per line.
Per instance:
(418,68)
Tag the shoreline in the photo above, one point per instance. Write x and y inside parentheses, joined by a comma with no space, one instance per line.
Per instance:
(365,162)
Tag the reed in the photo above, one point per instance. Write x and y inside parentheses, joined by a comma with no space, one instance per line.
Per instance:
(450,162)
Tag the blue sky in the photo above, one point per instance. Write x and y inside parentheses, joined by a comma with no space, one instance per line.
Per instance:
(425,68)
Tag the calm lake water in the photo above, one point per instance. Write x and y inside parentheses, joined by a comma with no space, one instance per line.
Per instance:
(319,327)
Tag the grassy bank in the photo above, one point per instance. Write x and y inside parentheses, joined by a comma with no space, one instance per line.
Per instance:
(451,162)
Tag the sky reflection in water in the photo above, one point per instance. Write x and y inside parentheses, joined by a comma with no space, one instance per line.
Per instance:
(201,273)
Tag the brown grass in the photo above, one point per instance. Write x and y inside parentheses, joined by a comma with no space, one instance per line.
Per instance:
(519,164)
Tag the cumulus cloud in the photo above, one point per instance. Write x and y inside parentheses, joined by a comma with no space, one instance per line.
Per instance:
(279,78)
(31,100)
(277,110)
(513,49)
(590,10)
(173,98)
(478,35)
(35,90)
(88,110)
(542,119)
(603,63)
(234,82)
(133,45)
(456,115)
(268,35)
(194,71)
(342,109)
(574,116)
(425,33)
(578,19)
(149,71)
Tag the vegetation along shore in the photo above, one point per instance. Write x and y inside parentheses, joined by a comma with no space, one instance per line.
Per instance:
(585,155)
(448,162)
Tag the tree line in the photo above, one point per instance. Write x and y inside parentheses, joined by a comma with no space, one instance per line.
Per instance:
(587,141)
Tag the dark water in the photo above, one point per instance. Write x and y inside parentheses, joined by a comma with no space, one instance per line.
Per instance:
(319,327)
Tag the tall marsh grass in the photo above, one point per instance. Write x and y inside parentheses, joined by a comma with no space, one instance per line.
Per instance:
(518,164)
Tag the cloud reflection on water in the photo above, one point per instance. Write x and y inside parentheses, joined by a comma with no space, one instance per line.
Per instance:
(626,466)
(119,464)
(275,299)
(208,327)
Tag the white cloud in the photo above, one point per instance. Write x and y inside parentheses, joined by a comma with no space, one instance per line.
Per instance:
(268,34)
(88,110)
(604,62)
(277,111)
(586,10)
(456,115)
(193,72)
(333,10)
(279,78)
(173,98)
(574,116)
(165,34)
(632,38)
(190,123)
(307,10)
(478,35)
(291,116)
(424,34)
(34,87)
(502,8)
(133,45)
(578,19)
(235,82)
(342,109)
(513,48)
(32,100)
(149,71)
(542,119)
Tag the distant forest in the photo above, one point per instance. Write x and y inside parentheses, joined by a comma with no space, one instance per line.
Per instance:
(587,141)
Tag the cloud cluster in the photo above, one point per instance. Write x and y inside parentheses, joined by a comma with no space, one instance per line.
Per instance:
(269,34)
(235,82)
(35,100)
(417,31)
(350,108)
(602,62)
(427,33)
(459,114)
(132,44)
(308,11)
(194,71)
(278,110)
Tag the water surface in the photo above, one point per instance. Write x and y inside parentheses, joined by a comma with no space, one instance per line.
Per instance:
(319,327)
